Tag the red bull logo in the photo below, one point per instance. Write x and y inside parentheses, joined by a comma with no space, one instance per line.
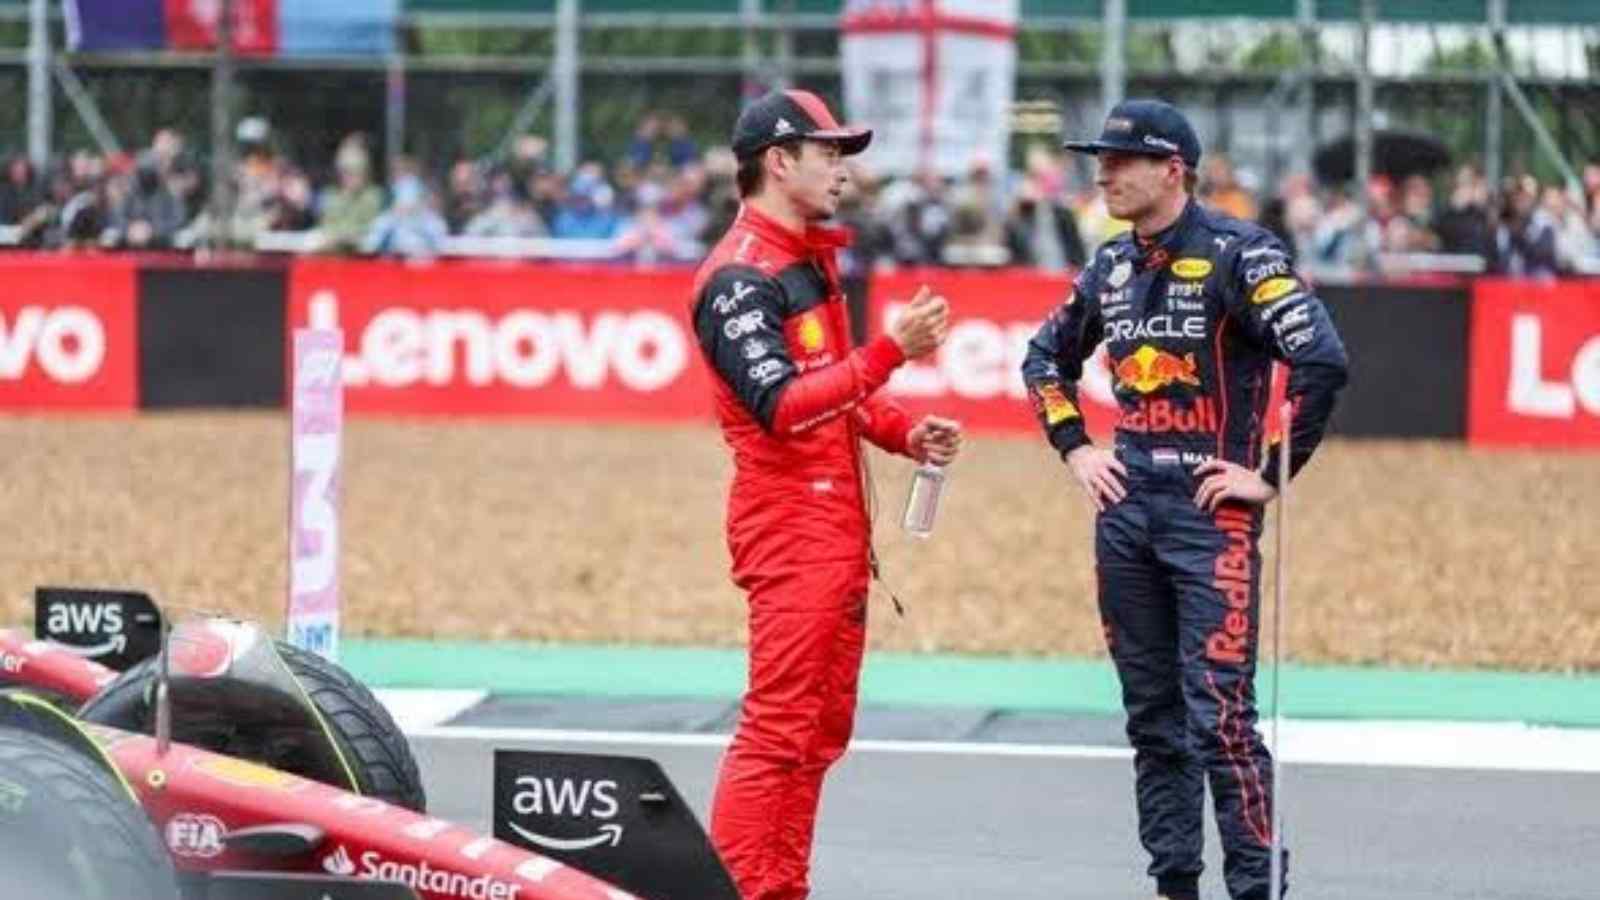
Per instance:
(1148,369)
(1167,417)
(1232,576)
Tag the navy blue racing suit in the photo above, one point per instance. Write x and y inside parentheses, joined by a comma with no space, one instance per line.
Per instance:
(1192,319)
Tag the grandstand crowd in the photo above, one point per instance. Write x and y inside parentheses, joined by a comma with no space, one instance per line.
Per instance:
(664,197)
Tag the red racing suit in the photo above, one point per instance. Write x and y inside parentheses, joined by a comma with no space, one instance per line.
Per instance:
(793,400)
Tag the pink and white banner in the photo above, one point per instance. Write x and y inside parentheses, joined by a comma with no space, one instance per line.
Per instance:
(934,79)
(317,413)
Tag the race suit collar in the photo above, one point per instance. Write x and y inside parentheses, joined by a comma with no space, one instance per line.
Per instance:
(1155,251)
(815,241)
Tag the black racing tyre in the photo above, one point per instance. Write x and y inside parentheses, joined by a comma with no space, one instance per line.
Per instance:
(69,830)
(371,742)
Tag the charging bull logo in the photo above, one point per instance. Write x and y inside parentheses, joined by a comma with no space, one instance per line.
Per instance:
(1231,576)
(1148,369)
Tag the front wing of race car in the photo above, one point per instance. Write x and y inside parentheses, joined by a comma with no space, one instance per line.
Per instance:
(227,817)
(240,830)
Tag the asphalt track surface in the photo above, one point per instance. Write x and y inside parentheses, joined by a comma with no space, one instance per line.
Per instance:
(909,819)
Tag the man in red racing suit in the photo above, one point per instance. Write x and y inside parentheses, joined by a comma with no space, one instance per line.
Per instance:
(793,400)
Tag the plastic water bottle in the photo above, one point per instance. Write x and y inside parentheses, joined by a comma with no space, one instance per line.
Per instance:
(927,483)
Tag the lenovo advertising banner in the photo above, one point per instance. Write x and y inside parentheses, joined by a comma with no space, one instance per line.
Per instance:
(1535,364)
(487,338)
(67,334)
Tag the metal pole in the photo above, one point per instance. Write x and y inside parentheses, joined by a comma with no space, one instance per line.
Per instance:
(750,51)
(39,97)
(1113,59)
(784,50)
(222,131)
(1280,591)
(566,77)
(394,119)
(1364,104)
(1541,134)
(1306,15)
(1494,115)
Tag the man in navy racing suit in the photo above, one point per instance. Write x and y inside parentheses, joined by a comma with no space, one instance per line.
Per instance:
(1193,308)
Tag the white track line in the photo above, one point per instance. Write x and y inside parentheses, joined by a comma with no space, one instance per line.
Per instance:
(1429,745)
(415,709)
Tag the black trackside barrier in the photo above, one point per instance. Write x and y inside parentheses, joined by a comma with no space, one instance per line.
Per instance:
(618,818)
(113,628)
(1408,359)
(212,337)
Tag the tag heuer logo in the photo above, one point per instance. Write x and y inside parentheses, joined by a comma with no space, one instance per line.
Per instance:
(783,127)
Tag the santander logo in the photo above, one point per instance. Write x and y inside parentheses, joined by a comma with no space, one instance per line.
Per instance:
(338,863)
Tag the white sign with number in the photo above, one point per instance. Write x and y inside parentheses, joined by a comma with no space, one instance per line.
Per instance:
(934,79)
(317,414)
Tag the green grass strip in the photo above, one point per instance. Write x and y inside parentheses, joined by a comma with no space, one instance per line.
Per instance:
(1080,686)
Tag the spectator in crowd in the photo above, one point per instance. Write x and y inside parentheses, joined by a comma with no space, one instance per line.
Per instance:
(1591,196)
(660,137)
(648,237)
(681,148)
(641,149)
(1525,235)
(919,221)
(466,194)
(349,210)
(1220,189)
(681,210)
(1293,213)
(257,178)
(1465,227)
(588,211)
(22,192)
(548,195)
(720,193)
(1336,239)
(977,224)
(529,155)
(508,215)
(1041,231)
(864,255)
(411,227)
(151,213)
(1410,230)
(1575,244)
(294,209)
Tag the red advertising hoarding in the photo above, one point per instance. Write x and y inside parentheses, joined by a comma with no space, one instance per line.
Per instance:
(488,338)
(976,376)
(68,336)
(481,338)
(1535,364)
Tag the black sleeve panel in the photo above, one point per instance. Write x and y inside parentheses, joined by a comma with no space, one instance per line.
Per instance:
(738,318)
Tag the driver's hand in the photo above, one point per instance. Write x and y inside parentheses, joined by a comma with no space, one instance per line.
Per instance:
(1100,474)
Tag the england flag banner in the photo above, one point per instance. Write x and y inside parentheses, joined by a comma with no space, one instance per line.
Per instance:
(934,79)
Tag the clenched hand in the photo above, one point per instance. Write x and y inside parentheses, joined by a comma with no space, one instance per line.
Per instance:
(922,326)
